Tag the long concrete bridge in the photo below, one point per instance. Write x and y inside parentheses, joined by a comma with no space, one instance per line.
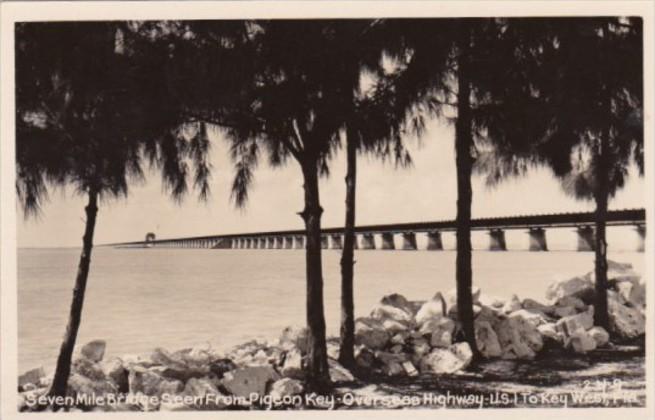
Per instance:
(534,225)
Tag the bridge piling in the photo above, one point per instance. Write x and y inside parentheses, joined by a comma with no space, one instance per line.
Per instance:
(299,242)
(279,242)
(497,240)
(387,241)
(434,241)
(271,242)
(368,241)
(288,242)
(409,241)
(641,237)
(324,242)
(538,239)
(586,238)
(336,241)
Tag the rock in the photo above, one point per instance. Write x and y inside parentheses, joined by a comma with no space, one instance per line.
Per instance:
(384,312)
(534,318)
(115,371)
(364,357)
(487,340)
(581,341)
(451,300)
(88,368)
(31,377)
(152,383)
(625,322)
(398,348)
(219,366)
(286,387)
(549,330)
(94,350)
(440,329)
(392,326)
(518,336)
(245,381)
(409,368)
(571,301)
(600,336)
(177,367)
(81,385)
(339,373)
(420,347)
(534,306)
(435,307)
(491,301)
(570,324)
(564,311)
(580,287)
(292,365)
(399,301)
(203,389)
(450,360)
(633,293)
(371,333)
(333,350)
(512,305)
(296,336)
(400,338)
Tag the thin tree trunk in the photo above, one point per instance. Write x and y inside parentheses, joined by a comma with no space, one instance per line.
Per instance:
(601,196)
(318,376)
(346,351)
(62,371)
(601,316)
(464,163)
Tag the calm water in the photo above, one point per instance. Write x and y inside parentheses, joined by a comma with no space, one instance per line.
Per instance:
(143,298)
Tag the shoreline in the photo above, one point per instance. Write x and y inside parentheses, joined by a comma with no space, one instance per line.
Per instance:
(407,355)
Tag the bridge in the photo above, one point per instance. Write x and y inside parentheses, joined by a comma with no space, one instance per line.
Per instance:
(535,226)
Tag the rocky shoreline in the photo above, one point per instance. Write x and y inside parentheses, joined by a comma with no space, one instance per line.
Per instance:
(408,354)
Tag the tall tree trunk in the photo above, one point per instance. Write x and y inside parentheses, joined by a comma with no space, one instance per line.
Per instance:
(62,371)
(346,351)
(601,196)
(318,376)
(464,163)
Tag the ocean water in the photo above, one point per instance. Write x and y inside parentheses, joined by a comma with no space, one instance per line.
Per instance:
(139,299)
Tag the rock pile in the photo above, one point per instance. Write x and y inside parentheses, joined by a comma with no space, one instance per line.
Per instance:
(398,338)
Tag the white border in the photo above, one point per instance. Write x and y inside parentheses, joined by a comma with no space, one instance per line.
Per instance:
(49,11)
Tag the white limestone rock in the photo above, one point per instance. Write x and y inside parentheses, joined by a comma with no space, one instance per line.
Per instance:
(371,333)
(339,373)
(518,336)
(487,340)
(32,376)
(512,305)
(286,387)
(450,360)
(440,330)
(600,336)
(433,308)
(203,389)
(625,322)
(581,341)
(250,380)
(579,287)
(292,365)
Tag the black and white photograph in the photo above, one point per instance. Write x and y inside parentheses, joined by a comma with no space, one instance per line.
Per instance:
(230,207)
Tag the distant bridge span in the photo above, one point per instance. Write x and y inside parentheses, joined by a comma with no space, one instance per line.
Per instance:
(496,226)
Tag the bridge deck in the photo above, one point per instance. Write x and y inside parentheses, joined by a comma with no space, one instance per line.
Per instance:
(558,220)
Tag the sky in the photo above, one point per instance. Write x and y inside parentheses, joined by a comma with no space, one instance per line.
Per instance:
(424,192)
